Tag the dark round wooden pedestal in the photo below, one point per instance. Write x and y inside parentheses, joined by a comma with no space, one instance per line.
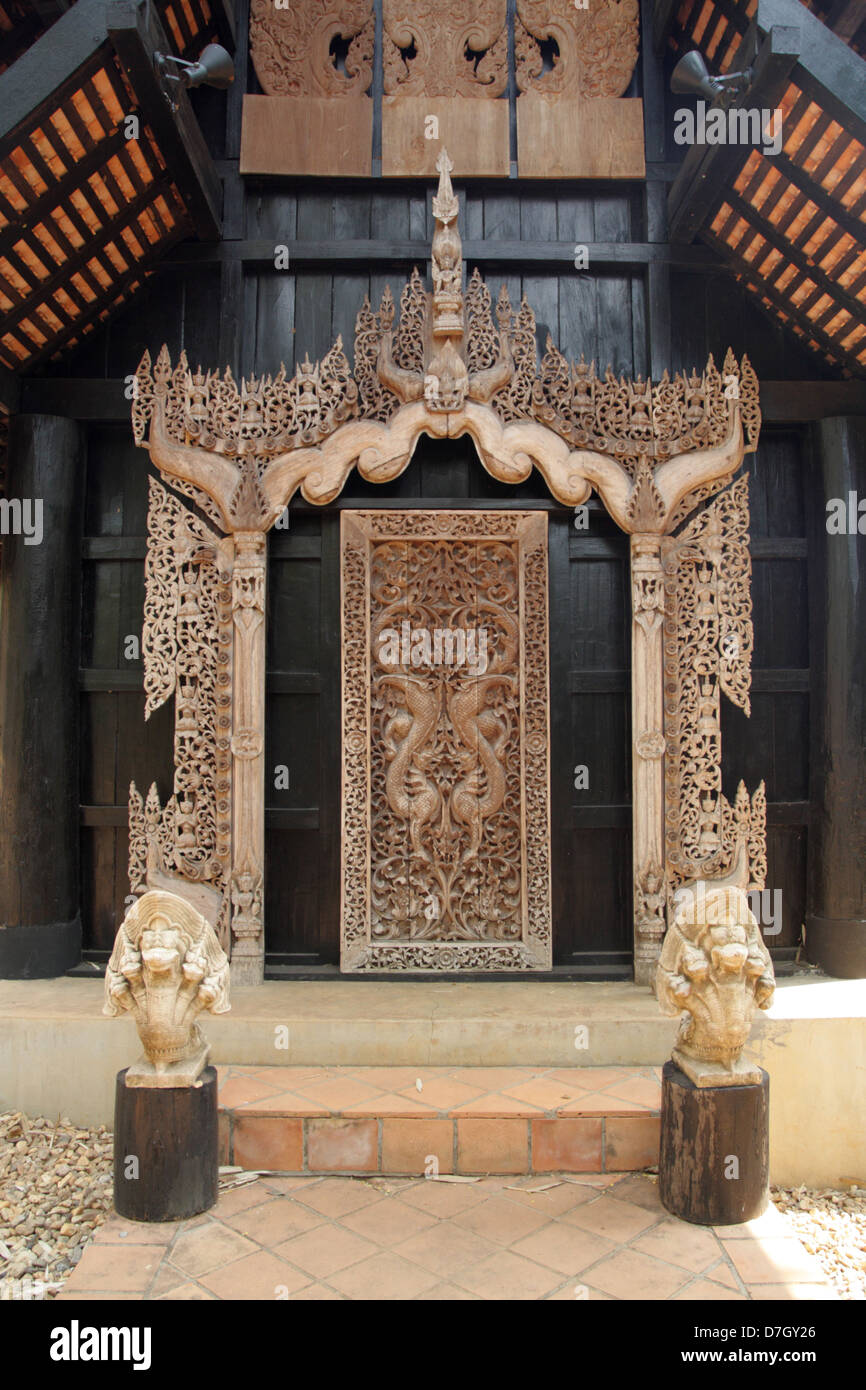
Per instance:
(714,1159)
(166,1158)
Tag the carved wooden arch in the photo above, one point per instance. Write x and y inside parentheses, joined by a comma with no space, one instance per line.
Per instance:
(452,364)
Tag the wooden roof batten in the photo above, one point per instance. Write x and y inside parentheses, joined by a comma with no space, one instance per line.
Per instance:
(85,212)
(792,226)
(451,365)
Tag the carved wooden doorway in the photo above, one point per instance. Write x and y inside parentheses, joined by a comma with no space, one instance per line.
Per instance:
(446,823)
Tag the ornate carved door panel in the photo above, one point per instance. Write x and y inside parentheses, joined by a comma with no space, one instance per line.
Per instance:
(446,824)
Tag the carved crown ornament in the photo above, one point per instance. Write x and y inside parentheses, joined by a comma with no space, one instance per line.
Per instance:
(451,365)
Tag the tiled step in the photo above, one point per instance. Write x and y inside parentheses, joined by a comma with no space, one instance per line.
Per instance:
(454,1120)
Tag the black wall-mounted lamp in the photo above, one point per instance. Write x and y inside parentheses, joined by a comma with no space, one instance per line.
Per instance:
(214,68)
(691,78)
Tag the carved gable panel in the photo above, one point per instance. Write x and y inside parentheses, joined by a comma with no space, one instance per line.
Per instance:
(445,742)
(597,47)
(291,48)
(456,49)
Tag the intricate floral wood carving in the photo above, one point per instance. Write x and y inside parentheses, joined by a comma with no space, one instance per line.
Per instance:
(186,647)
(291,47)
(446,821)
(708,650)
(453,365)
(597,47)
(459,50)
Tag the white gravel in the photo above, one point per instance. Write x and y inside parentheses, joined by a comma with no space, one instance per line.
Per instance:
(831,1223)
(55,1190)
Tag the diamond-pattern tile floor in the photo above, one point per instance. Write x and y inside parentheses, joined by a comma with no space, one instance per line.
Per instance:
(502,1238)
(473,1119)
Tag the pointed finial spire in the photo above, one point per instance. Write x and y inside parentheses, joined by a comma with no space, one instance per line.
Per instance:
(445,204)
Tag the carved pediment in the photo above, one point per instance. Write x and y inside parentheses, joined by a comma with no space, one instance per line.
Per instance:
(291,46)
(596,47)
(444,48)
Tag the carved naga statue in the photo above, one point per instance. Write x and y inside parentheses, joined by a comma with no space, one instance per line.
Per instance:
(714,967)
(166,968)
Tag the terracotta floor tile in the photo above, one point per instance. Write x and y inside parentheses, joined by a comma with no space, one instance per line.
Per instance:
(287,1078)
(641,1090)
(497,1078)
(445,1249)
(341,1144)
(167,1278)
(384,1277)
(126,1268)
(492,1146)
(316,1293)
(261,1276)
(388,1222)
(642,1191)
(289,1103)
(629,1274)
(792,1292)
(677,1242)
(189,1293)
(333,1197)
(337,1093)
(631,1142)
(592,1078)
(385,1103)
(723,1274)
(205,1248)
(570,1144)
(275,1221)
(443,1093)
(508,1276)
(393,1079)
(502,1221)
(120,1230)
(447,1293)
(497,1105)
(706,1291)
(240,1090)
(408,1145)
(769,1223)
(250,1194)
(555,1200)
(574,1292)
(545,1092)
(599,1103)
(606,1216)
(564,1248)
(280,1186)
(442,1199)
(67,1295)
(322,1252)
(773,1261)
(271,1142)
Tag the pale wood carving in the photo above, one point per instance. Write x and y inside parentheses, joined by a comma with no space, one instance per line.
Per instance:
(186,647)
(597,47)
(445,739)
(457,49)
(715,970)
(291,47)
(166,969)
(451,363)
(708,651)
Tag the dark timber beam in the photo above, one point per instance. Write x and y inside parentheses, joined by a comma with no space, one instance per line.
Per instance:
(135,39)
(10,391)
(828,69)
(32,80)
(259,255)
(708,170)
(664,14)
(85,398)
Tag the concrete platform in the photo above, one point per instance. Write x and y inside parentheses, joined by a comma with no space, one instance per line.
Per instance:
(58,1055)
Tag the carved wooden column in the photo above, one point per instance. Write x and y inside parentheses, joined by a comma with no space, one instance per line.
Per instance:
(648,744)
(248,749)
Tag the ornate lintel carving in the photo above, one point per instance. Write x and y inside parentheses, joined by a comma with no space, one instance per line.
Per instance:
(444,48)
(596,45)
(291,47)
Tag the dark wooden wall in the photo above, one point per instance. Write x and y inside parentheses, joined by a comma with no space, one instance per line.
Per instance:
(222,308)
